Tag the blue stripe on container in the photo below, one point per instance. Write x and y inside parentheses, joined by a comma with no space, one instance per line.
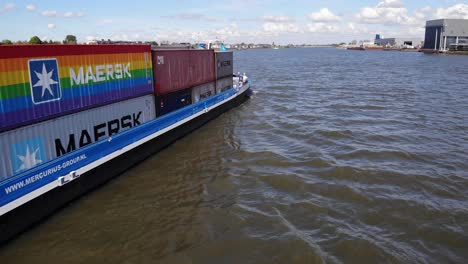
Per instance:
(43,112)
(84,92)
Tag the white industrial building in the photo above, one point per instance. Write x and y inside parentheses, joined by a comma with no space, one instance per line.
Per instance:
(399,42)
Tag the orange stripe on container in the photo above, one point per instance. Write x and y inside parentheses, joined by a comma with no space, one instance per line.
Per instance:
(21,64)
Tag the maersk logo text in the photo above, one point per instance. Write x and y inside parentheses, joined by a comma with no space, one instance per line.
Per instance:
(98,132)
(99,73)
(44,80)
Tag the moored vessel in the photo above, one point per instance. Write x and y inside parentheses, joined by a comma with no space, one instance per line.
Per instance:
(75,116)
(356,48)
(373,47)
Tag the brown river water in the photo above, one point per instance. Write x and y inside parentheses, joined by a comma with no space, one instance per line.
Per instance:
(340,157)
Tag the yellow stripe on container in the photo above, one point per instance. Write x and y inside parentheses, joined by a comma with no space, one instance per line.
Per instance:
(15,77)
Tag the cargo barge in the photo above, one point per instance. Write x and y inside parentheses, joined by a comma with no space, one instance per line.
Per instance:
(75,116)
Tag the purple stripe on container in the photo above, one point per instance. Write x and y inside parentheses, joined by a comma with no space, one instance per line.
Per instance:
(20,118)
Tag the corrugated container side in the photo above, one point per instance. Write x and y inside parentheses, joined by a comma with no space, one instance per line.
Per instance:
(173,101)
(203,91)
(39,82)
(175,70)
(223,84)
(224,64)
(29,146)
(171,71)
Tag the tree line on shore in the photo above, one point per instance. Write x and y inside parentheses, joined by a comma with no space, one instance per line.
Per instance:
(69,39)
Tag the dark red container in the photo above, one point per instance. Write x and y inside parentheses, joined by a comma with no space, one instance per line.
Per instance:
(175,70)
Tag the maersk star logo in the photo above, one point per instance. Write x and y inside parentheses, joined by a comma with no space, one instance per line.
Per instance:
(27,154)
(44,80)
(29,159)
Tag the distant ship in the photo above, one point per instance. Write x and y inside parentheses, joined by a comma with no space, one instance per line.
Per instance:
(367,47)
(373,47)
(355,48)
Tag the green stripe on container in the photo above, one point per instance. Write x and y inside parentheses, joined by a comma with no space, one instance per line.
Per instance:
(14,90)
(65,83)
(22,89)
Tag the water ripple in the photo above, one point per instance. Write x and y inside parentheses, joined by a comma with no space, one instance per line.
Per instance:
(338,158)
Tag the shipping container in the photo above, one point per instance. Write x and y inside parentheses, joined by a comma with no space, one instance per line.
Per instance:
(223,84)
(203,91)
(39,82)
(173,101)
(224,64)
(175,70)
(29,146)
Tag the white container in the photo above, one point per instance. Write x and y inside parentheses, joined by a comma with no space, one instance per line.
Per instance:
(203,91)
(223,84)
(30,146)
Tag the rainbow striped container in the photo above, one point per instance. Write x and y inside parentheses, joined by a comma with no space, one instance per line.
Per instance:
(40,82)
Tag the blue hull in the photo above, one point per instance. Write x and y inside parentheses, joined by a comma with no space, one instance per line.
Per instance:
(35,194)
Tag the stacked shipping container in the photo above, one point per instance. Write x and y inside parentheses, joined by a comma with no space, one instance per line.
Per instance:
(173,101)
(55,99)
(41,82)
(177,72)
(88,86)
(224,70)
(35,144)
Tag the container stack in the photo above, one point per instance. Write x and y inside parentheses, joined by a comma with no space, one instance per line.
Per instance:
(57,98)
(224,69)
(182,77)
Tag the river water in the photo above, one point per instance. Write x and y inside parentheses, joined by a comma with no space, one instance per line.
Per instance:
(340,157)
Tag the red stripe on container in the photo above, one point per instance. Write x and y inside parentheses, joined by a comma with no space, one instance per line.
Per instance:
(22,51)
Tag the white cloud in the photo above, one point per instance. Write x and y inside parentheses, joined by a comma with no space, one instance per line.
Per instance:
(324,15)
(280,27)
(393,12)
(73,14)
(277,19)
(105,21)
(54,13)
(456,11)
(226,32)
(352,28)
(388,17)
(391,4)
(51,26)
(30,7)
(369,13)
(91,38)
(386,12)
(321,27)
(49,13)
(192,16)
(426,9)
(7,7)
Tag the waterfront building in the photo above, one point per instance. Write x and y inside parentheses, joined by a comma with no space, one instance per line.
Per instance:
(444,34)
(399,42)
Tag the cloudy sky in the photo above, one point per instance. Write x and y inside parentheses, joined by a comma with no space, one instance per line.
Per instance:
(257,21)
